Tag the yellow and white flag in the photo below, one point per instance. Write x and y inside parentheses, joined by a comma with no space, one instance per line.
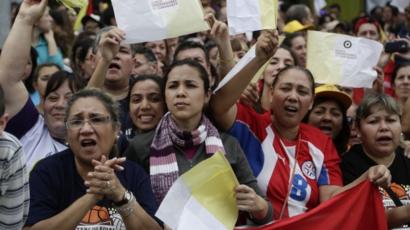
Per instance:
(341,59)
(202,198)
(70,4)
(151,20)
(251,15)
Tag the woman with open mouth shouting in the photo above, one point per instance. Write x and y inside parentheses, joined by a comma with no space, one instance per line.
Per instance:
(378,124)
(85,185)
(297,166)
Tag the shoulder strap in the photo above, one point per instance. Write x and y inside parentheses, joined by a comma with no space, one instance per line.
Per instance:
(394,197)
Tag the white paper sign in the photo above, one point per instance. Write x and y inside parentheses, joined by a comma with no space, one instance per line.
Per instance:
(251,15)
(342,60)
(251,54)
(151,20)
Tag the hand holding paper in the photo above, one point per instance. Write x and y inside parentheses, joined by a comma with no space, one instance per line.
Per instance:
(247,16)
(152,20)
(219,30)
(247,200)
(202,198)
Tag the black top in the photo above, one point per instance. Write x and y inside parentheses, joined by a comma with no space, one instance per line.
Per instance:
(355,162)
(55,184)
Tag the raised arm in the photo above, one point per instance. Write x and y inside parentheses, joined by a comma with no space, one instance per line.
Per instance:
(54,54)
(223,101)
(15,54)
(219,32)
(108,47)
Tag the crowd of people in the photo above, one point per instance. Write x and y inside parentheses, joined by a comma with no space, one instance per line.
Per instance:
(94,131)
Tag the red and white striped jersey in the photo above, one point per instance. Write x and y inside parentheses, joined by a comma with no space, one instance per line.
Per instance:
(317,162)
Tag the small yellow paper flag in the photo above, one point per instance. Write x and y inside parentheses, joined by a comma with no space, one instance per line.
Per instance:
(74,3)
(81,14)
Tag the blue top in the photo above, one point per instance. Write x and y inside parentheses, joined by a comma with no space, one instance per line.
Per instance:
(43,56)
(35,97)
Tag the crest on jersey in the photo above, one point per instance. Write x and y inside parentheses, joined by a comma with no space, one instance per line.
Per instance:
(309,170)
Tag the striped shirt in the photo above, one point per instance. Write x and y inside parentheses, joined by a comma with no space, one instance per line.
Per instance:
(14,186)
(290,182)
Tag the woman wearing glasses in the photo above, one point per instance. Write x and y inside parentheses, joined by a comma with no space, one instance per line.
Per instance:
(41,136)
(81,186)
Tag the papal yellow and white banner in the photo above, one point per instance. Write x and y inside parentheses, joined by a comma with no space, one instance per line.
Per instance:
(202,198)
(251,15)
(74,3)
(150,20)
(341,59)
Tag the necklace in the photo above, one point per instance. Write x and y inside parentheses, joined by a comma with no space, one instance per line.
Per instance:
(292,172)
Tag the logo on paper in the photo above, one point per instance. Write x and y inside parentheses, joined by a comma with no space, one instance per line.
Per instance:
(347,44)
(309,170)
(163,4)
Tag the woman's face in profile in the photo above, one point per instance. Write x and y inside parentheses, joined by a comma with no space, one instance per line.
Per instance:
(380,132)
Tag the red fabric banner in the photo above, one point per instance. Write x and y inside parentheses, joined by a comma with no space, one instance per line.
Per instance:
(360,207)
